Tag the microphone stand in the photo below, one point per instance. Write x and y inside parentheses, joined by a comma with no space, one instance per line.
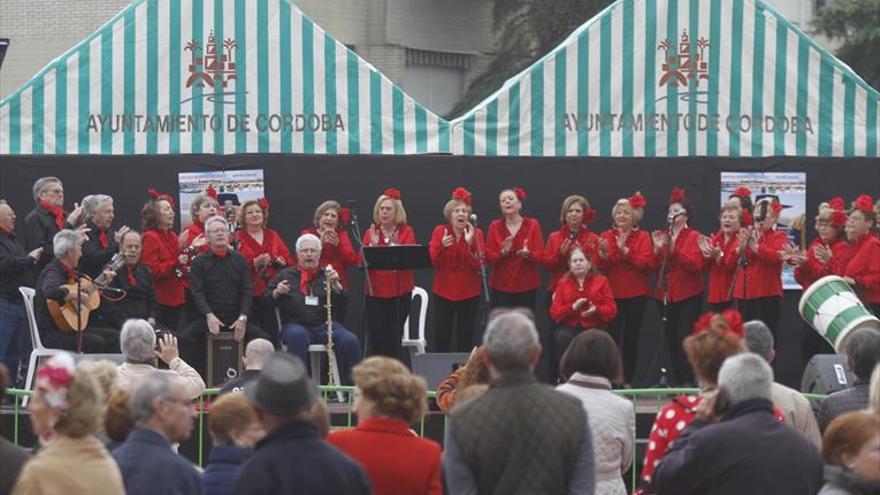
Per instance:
(356,234)
(742,265)
(481,257)
(79,333)
(664,283)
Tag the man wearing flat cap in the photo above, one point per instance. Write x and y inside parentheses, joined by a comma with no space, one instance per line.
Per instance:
(293,458)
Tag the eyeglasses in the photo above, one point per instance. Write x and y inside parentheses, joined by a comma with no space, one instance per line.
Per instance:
(55,191)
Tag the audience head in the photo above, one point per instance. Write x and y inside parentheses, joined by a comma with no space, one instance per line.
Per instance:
(98,209)
(308,251)
(104,372)
(50,190)
(282,392)
(852,441)
(117,419)
(592,352)
(387,389)
(746,376)
(217,233)
(863,352)
(138,342)
(160,403)
(67,245)
(67,400)
(131,246)
(759,339)
(474,371)
(233,420)
(874,393)
(716,337)
(7,216)
(512,344)
(320,415)
(256,353)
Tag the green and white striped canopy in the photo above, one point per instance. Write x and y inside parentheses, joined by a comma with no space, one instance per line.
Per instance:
(214,76)
(679,78)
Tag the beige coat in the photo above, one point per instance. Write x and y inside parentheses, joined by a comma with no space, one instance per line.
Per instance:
(71,466)
(131,374)
(797,411)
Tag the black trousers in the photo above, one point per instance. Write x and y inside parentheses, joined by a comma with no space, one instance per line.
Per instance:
(680,319)
(193,341)
(95,340)
(765,309)
(455,317)
(562,337)
(625,329)
(526,299)
(263,316)
(720,307)
(385,319)
(812,343)
(169,317)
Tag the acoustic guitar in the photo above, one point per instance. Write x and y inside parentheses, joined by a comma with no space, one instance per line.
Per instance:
(65,315)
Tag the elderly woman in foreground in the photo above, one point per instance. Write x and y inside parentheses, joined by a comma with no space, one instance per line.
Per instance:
(388,399)
(66,412)
(851,451)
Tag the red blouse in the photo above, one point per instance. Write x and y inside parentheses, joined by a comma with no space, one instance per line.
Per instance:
(721,270)
(457,267)
(556,261)
(683,268)
(764,273)
(340,257)
(864,267)
(194,230)
(160,253)
(390,283)
(272,244)
(511,272)
(628,275)
(595,290)
(811,269)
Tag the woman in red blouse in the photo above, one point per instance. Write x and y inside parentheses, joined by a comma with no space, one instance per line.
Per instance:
(203,207)
(862,269)
(582,301)
(575,217)
(388,306)
(265,253)
(455,248)
(336,248)
(625,255)
(161,254)
(720,254)
(677,255)
(759,287)
(514,246)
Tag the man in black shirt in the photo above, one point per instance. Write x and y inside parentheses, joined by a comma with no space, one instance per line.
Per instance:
(102,243)
(67,246)
(135,279)
(47,218)
(16,270)
(221,288)
(300,294)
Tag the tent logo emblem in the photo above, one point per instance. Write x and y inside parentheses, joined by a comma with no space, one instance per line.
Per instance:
(212,67)
(680,66)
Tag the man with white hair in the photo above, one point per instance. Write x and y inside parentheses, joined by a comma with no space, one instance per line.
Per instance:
(257,352)
(794,406)
(101,243)
(67,246)
(300,294)
(138,343)
(221,288)
(748,450)
(521,436)
(163,415)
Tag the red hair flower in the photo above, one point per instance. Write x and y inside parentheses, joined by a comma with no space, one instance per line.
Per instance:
(703,323)
(264,203)
(463,194)
(838,219)
(864,203)
(520,193)
(836,203)
(344,216)
(392,193)
(157,196)
(776,206)
(677,195)
(637,201)
(734,322)
(589,215)
(747,219)
(211,192)
(57,377)
(743,192)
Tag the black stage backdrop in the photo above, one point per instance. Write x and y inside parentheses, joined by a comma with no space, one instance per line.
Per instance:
(296,184)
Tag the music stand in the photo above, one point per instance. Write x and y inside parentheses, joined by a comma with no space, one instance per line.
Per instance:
(397,258)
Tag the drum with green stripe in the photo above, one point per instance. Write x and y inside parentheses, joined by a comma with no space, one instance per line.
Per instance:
(834,310)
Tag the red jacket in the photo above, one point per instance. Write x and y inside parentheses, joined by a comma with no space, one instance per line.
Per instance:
(627,275)
(272,244)
(397,461)
(196,229)
(457,267)
(811,270)
(160,253)
(721,270)
(556,261)
(340,257)
(683,268)
(764,274)
(511,272)
(595,290)
(389,283)
(864,267)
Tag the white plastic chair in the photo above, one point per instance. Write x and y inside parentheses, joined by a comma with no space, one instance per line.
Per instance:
(38,349)
(316,351)
(419,344)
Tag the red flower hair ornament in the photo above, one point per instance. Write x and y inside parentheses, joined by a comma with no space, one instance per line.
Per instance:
(776,206)
(747,219)
(732,318)
(637,201)
(392,193)
(589,215)
(463,194)
(520,193)
(743,192)
(677,195)
(344,216)
(211,192)
(864,203)
(54,378)
(159,196)
(836,203)
(838,219)
(264,203)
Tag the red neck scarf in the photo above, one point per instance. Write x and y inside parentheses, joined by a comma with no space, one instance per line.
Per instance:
(68,271)
(252,243)
(58,212)
(306,276)
(6,231)
(221,253)
(102,238)
(130,275)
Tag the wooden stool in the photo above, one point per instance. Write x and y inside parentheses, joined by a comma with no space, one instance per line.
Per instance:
(316,351)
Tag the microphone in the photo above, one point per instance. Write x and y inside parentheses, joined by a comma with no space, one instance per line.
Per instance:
(674,214)
(473,218)
(107,288)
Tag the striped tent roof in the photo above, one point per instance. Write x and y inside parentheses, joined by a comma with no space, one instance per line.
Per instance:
(679,78)
(214,76)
